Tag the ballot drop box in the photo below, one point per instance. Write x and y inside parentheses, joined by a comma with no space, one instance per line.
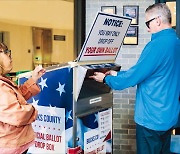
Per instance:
(75,111)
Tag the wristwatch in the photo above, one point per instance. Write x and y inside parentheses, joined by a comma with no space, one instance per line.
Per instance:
(104,80)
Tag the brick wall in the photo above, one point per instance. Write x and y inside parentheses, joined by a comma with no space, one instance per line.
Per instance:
(123,105)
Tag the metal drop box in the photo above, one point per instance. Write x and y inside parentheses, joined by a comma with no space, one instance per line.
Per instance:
(94,96)
(82,106)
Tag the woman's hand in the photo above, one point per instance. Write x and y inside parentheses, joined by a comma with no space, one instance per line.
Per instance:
(38,72)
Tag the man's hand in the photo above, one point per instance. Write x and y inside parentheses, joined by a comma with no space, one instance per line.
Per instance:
(38,72)
(98,76)
(111,72)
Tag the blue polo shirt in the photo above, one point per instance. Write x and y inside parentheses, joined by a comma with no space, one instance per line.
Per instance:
(157,76)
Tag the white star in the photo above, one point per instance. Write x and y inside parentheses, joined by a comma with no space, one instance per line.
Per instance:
(61,89)
(68,115)
(96,117)
(35,103)
(43,83)
(52,111)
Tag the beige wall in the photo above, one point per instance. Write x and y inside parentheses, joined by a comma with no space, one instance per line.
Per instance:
(49,13)
(20,41)
(63,51)
(18,16)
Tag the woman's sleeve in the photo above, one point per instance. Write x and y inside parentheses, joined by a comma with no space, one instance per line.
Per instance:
(12,111)
(29,89)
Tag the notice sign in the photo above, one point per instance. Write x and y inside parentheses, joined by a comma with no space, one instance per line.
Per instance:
(105,38)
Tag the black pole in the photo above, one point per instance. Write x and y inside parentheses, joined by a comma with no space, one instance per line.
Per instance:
(79,24)
(177,131)
(178,17)
(79,37)
(160,1)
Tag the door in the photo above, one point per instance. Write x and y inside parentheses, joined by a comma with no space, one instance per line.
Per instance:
(42,43)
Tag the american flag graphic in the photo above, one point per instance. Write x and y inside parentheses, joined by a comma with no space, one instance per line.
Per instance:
(54,124)
(54,105)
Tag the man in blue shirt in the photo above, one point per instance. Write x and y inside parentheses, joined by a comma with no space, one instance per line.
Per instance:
(156,75)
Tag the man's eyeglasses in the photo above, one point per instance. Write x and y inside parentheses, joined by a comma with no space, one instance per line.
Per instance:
(7,52)
(148,22)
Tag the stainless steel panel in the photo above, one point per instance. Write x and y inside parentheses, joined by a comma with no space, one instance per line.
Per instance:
(90,105)
(94,96)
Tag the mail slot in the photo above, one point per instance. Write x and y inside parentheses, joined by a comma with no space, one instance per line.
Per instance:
(94,95)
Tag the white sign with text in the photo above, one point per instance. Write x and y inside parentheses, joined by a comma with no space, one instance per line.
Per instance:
(105,38)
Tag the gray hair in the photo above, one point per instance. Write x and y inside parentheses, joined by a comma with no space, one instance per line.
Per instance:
(162,10)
